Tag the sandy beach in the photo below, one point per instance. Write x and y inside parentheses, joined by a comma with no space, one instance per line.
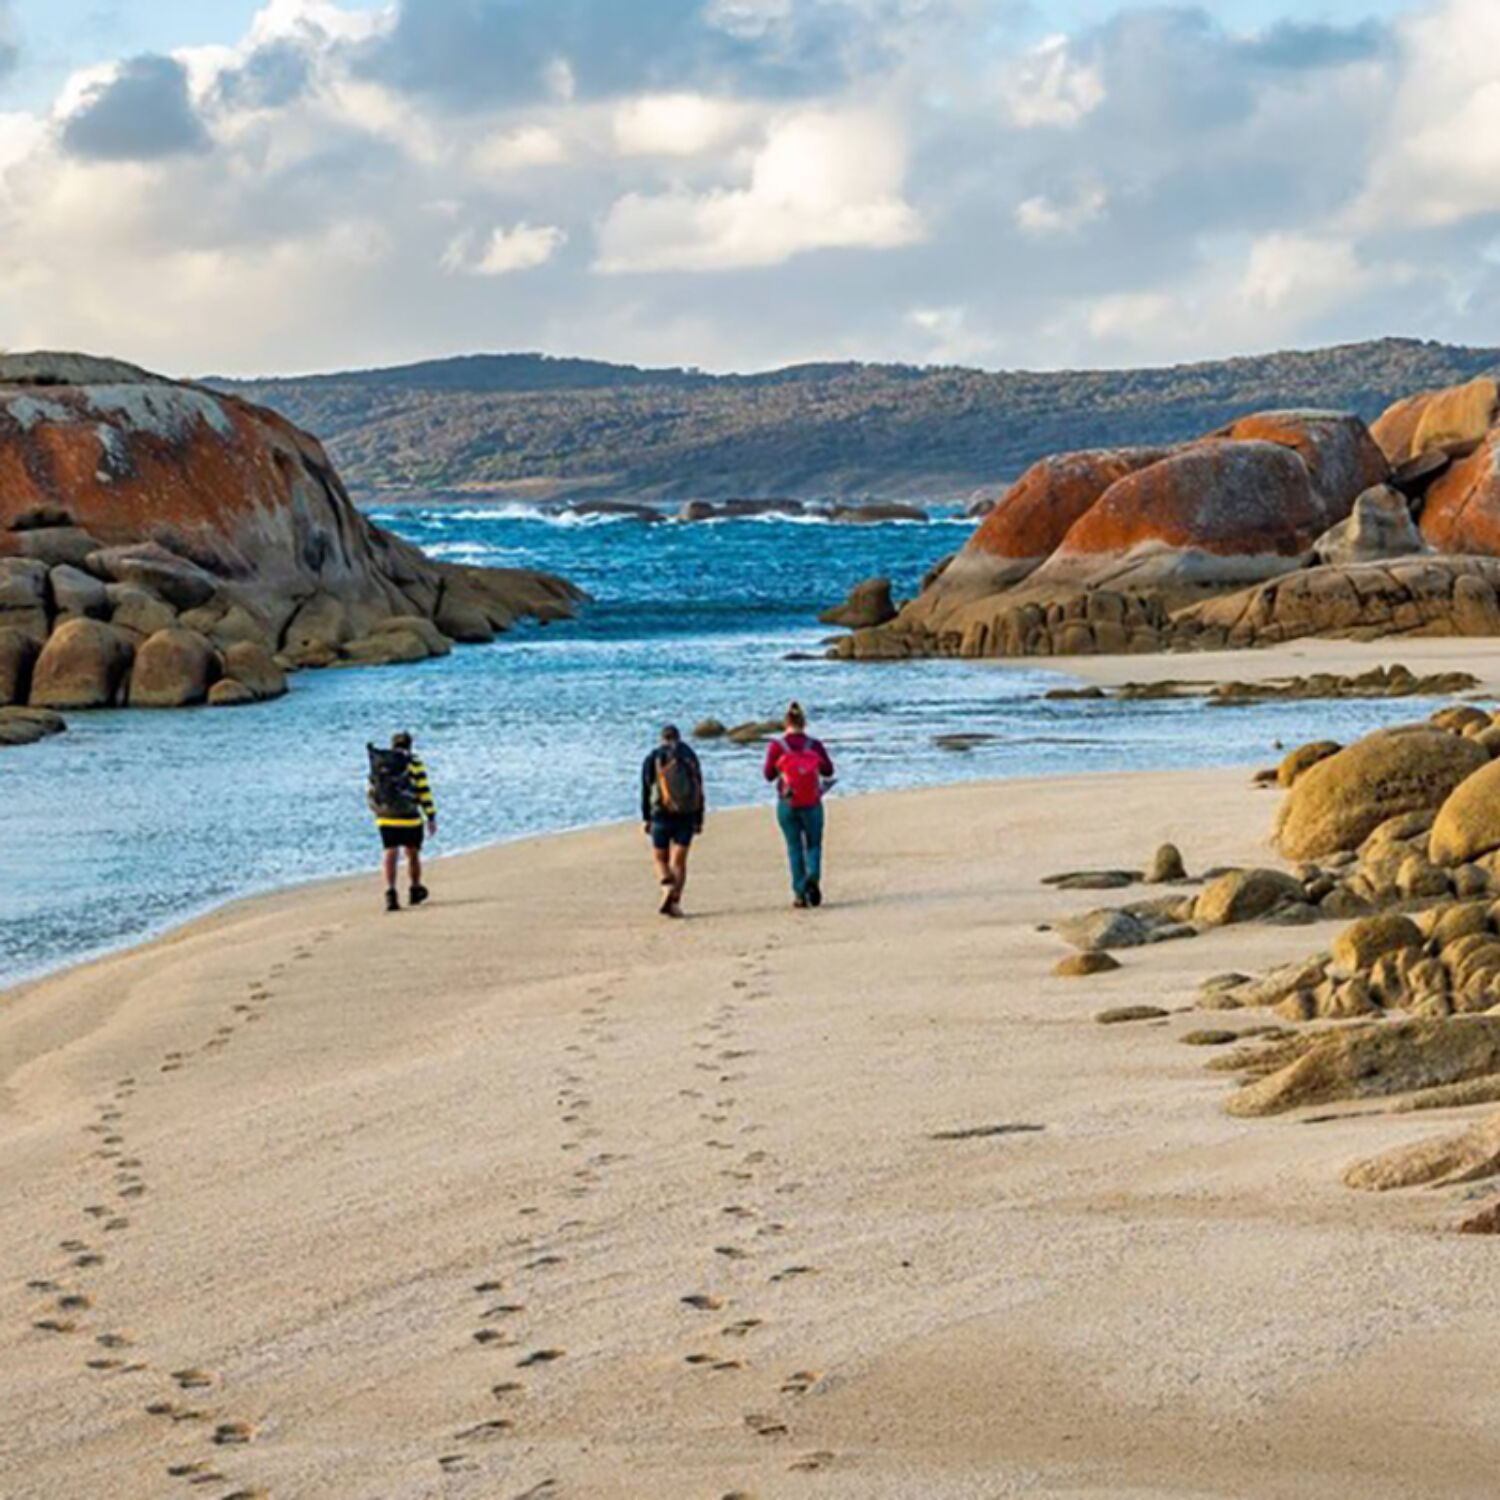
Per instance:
(531,1193)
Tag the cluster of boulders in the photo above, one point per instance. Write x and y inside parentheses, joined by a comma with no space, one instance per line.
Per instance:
(162,546)
(1281,525)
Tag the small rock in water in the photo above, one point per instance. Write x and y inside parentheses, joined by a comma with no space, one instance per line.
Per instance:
(962,743)
(710,729)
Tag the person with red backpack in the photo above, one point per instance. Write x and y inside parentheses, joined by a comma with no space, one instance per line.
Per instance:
(802,771)
(672,808)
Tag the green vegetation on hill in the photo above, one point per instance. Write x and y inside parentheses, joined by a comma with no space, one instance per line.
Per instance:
(813,431)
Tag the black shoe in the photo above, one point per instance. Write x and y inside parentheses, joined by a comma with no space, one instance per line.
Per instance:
(814,893)
(419,893)
(392,902)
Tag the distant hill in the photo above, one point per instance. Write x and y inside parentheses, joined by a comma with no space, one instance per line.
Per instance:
(526,423)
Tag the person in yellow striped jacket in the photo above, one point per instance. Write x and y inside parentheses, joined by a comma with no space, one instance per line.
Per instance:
(400,795)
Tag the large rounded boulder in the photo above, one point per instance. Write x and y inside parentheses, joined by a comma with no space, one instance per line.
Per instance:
(18,653)
(85,664)
(1342,459)
(1337,804)
(1028,523)
(1462,510)
(251,665)
(1468,825)
(1380,526)
(1221,512)
(173,669)
(1453,421)
(869,604)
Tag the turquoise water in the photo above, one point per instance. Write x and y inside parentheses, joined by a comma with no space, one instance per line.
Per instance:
(134,821)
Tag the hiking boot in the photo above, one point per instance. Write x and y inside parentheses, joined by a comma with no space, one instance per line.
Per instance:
(392,901)
(814,893)
(419,893)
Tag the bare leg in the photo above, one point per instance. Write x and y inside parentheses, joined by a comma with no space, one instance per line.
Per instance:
(392,857)
(414,865)
(663,867)
(679,870)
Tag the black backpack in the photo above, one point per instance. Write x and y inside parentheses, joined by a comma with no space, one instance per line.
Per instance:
(393,794)
(679,787)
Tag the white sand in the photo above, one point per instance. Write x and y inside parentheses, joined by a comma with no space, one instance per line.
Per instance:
(538,1084)
(1426,657)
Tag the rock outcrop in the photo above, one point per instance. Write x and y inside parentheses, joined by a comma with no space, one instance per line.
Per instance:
(1029,522)
(1220,512)
(1280,526)
(869,604)
(148,529)
(1339,802)
(1380,526)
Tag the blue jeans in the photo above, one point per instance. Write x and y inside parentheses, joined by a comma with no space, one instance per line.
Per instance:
(802,828)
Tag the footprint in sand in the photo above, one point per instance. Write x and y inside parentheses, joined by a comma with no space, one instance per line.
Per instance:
(506,1389)
(505,1310)
(702,1302)
(743,1329)
(541,1357)
(197,1472)
(811,1463)
(793,1273)
(457,1463)
(175,1411)
(192,1380)
(542,1491)
(113,1341)
(233,1434)
(486,1432)
(488,1288)
(801,1382)
(731,1252)
(765,1425)
(488,1338)
(55,1325)
(74,1302)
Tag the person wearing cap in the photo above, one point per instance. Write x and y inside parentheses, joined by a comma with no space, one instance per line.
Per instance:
(672,808)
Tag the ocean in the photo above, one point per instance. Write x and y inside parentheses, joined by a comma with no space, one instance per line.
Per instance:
(135,821)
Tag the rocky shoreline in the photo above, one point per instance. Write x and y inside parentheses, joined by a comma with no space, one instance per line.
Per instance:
(162,546)
(1397,836)
(1278,527)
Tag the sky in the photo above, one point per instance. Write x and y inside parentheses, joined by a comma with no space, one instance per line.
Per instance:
(281,186)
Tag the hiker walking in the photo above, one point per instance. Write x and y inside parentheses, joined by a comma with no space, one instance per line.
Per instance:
(400,796)
(803,772)
(672,808)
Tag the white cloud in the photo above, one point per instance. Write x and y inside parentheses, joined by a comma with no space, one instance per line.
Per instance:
(1044,216)
(518,149)
(1293,185)
(821,180)
(1050,88)
(1439,155)
(504,251)
(677,124)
